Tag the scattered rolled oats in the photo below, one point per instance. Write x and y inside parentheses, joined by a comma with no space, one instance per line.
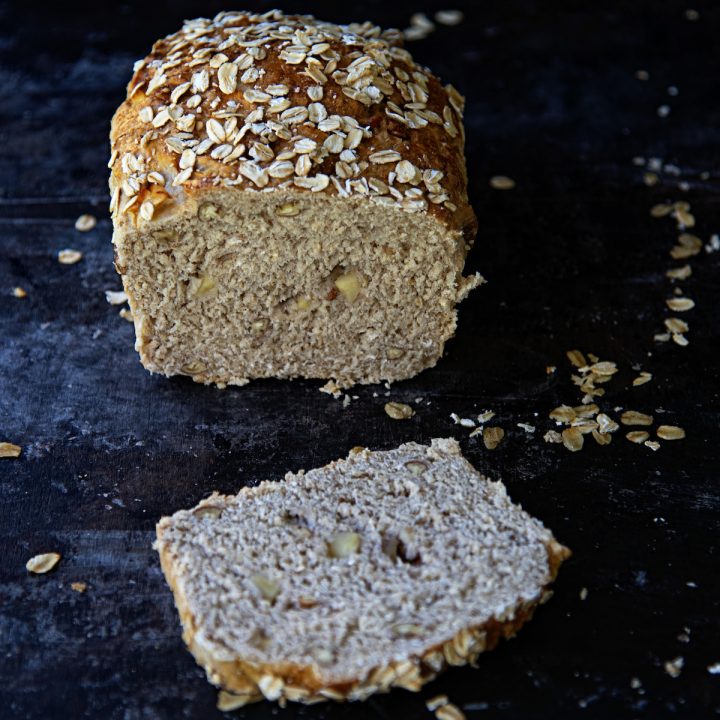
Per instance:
(552,436)
(449,17)
(632,417)
(689,246)
(399,411)
(69,257)
(126,314)
(492,437)
(435,702)
(563,414)
(502,182)
(18,292)
(652,444)
(661,210)
(448,711)
(8,450)
(606,424)
(526,427)
(604,368)
(601,438)
(637,436)
(680,304)
(572,439)
(680,273)
(85,223)
(40,564)
(676,325)
(642,378)
(576,358)
(680,339)
(670,432)
(79,587)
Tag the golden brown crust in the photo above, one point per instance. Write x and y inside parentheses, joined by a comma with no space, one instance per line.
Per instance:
(284,681)
(272,101)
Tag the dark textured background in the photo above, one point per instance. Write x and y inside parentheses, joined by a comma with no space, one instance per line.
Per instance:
(573,260)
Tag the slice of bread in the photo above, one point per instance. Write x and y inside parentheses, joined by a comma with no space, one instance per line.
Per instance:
(373,572)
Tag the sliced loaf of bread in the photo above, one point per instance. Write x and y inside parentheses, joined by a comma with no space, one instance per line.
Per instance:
(372,572)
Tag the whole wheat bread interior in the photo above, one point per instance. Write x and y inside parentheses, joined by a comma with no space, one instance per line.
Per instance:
(374,571)
(289,198)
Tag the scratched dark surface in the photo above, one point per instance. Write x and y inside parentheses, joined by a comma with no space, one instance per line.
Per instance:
(573,259)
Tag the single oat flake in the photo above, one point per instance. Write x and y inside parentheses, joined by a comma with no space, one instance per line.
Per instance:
(19,292)
(41,564)
(448,711)
(572,439)
(492,437)
(502,182)
(642,378)
(69,256)
(435,702)
(680,304)
(637,436)
(670,432)
(85,223)
(632,417)
(8,450)
(399,411)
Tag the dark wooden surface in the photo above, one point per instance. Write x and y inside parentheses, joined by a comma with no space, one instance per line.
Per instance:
(573,259)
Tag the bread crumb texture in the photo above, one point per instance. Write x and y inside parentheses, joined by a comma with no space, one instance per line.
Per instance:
(373,572)
(289,198)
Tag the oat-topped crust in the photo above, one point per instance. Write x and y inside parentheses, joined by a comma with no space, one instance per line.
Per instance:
(274,101)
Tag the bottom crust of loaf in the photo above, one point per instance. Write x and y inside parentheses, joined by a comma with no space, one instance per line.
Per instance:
(242,683)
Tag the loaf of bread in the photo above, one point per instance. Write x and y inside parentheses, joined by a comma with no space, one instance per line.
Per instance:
(289,199)
(373,572)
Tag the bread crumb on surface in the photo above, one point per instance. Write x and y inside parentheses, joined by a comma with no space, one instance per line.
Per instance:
(674,667)
(19,292)
(79,587)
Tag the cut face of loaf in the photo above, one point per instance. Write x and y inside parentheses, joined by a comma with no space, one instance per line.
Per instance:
(290,284)
(289,198)
(373,572)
